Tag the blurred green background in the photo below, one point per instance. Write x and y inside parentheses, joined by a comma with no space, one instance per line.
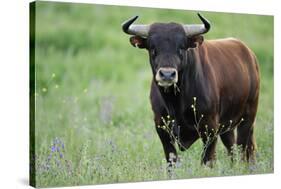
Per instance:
(94,122)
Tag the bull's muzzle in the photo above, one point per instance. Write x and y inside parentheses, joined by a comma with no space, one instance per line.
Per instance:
(166,77)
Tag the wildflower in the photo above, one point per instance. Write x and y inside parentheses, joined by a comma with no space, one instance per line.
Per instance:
(194,99)
(53,148)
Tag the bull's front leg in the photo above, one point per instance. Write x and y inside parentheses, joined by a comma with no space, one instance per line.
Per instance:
(209,138)
(167,142)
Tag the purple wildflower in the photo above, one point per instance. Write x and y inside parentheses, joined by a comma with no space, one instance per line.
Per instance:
(53,148)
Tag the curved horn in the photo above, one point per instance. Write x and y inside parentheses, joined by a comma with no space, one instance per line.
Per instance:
(135,29)
(197,29)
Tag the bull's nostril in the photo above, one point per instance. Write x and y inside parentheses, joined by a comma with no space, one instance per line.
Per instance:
(162,75)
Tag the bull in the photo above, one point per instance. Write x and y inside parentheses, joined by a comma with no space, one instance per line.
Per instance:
(201,89)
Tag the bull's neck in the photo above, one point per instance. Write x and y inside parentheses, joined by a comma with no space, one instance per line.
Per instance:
(172,100)
(194,77)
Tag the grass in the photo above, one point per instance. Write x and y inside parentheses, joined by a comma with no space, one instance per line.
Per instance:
(94,122)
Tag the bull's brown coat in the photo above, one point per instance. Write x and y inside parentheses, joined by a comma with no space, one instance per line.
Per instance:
(225,82)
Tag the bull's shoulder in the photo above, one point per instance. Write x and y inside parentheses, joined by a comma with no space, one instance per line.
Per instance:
(231,46)
(232,42)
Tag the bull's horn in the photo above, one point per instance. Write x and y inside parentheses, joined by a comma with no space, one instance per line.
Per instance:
(197,29)
(133,29)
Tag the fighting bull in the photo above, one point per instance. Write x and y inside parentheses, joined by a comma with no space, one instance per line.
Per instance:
(201,89)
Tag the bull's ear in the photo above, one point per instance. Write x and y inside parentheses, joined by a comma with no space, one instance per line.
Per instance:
(138,41)
(195,41)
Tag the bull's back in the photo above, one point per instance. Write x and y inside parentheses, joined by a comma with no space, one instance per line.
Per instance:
(234,68)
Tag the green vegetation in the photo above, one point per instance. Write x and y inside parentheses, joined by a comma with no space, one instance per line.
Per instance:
(94,122)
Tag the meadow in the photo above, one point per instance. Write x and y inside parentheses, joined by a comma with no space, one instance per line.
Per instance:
(94,122)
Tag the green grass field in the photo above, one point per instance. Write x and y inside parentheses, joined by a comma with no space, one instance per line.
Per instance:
(94,122)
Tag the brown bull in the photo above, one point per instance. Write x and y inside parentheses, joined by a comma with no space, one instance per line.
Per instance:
(200,89)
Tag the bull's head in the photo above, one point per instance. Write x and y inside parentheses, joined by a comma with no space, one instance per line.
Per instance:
(167,44)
